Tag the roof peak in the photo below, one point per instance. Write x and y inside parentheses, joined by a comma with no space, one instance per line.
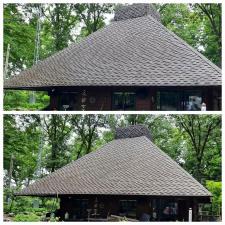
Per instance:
(133,131)
(136,10)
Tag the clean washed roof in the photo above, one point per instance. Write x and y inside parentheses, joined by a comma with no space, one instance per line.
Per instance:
(127,166)
(138,51)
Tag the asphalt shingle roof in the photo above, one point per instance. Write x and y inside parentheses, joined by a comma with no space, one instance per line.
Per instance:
(131,52)
(131,131)
(136,10)
(127,166)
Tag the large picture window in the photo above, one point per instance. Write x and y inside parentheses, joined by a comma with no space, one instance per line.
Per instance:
(123,101)
(179,100)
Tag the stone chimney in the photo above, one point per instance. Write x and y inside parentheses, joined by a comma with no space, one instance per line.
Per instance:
(136,10)
(133,131)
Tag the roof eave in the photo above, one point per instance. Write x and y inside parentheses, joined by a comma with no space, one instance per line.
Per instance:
(47,88)
(109,194)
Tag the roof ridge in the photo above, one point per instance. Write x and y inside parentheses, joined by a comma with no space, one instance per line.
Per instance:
(214,66)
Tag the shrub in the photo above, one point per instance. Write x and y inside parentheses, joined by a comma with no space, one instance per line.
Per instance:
(215,187)
(27,218)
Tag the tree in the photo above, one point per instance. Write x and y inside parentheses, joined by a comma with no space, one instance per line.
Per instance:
(200,131)
(197,24)
(60,21)
(21,140)
(215,188)
(86,127)
(92,16)
(20,34)
(57,130)
(212,15)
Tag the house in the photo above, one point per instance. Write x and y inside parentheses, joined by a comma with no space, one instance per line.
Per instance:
(134,63)
(128,177)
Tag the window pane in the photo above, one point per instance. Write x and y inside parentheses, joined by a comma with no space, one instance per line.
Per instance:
(128,208)
(192,100)
(123,101)
(169,101)
(118,101)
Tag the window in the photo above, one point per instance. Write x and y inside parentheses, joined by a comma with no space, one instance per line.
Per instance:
(179,100)
(168,100)
(128,208)
(192,100)
(163,209)
(123,101)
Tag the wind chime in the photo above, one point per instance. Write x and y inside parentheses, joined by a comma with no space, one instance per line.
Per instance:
(83,100)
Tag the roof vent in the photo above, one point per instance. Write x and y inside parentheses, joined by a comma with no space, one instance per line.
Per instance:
(136,10)
(133,131)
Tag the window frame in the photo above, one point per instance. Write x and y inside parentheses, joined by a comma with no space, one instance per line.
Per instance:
(123,94)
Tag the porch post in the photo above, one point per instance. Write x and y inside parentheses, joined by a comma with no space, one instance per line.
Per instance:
(190,215)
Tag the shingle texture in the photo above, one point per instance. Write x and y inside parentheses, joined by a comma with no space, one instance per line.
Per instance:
(136,10)
(133,131)
(132,52)
(130,166)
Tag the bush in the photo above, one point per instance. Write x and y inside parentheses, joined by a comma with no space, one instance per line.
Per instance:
(27,218)
(215,187)
(19,100)
(23,207)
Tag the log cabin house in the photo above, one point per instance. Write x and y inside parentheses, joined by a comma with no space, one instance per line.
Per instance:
(128,177)
(134,63)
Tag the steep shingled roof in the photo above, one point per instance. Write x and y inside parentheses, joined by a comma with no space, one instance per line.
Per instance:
(132,52)
(127,166)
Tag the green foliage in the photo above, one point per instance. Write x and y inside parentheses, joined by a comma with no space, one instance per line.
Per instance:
(57,131)
(20,34)
(23,209)
(92,17)
(59,22)
(216,189)
(19,100)
(202,134)
(198,24)
(21,143)
(31,217)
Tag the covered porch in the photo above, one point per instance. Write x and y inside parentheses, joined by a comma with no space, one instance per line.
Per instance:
(140,208)
(135,98)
